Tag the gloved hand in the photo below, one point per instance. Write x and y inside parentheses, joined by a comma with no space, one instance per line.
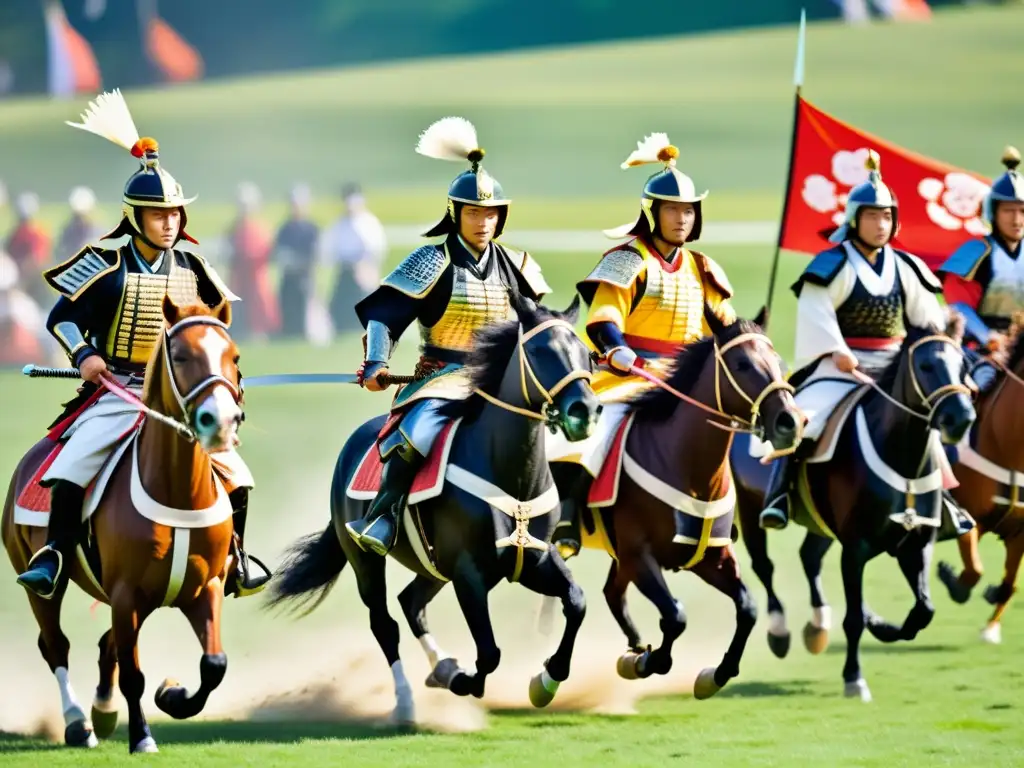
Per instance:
(621,359)
(368,375)
(844,361)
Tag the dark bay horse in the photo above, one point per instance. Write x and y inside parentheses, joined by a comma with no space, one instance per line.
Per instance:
(991,476)
(141,565)
(492,519)
(674,506)
(882,489)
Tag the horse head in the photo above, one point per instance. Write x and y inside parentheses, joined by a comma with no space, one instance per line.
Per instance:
(193,374)
(750,383)
(539,364)
(928,377)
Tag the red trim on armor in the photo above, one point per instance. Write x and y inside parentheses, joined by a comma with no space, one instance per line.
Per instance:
(668,266)
(651,345)
(370,471)
(874,344)
(956,290)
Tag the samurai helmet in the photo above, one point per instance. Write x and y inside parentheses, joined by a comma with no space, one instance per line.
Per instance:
(669,184)
(1008,188)
(873,193)
(454,138)
(149,187)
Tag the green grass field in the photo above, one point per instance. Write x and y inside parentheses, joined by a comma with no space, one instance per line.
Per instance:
(317,692)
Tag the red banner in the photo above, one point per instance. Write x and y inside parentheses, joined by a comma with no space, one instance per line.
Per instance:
(939,204)
(176,59)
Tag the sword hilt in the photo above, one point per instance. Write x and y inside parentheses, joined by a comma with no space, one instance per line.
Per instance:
(48,372)
(389,380)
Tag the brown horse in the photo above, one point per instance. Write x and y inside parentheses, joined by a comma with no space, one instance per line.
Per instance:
(674,504)
(137,565)
(989,470)
(881,489)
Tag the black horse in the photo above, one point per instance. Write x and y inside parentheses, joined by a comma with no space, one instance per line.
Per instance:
(862,498)
(493,518)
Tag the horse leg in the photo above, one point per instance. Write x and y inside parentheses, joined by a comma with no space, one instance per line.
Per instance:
(104,708)
(960,586)
(547,574)
(54,647)
(203,614)
(1000,596)
(471,590)
(414,600)
(371,578)
(126,620)
(914,562)
(723,574)
(755,539)
(649,580)
(854,558)
(812,554)
(615,595)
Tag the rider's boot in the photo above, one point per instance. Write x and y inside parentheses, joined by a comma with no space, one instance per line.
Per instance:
(377,530)
(244,582)
(48,569)
(775,515)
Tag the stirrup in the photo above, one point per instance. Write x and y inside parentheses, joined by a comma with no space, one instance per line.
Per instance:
(773,518)
(244,583)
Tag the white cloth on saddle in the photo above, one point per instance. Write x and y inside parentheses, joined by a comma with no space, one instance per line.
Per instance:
(590,452)
(99,429)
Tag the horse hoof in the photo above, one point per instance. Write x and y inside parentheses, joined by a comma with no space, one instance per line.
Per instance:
(628,665)
(992,594)
(145,747)
(403,716)
(779,644)
(958,593)
(104,723)
(815,638)
(704,687)
(542,689)
(80,734)
(443,673)
(857,689)
(992,634)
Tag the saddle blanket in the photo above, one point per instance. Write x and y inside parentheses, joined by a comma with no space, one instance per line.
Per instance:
(427,484)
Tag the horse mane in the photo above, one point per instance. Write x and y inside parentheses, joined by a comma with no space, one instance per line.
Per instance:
(687,367)
(1015,354)
(493,346)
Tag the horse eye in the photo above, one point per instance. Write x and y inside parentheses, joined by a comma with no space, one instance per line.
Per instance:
(236,359)
(179,360)
(744,365)
(927,367)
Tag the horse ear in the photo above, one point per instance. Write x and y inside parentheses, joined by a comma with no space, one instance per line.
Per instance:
(956,323)
(171,311)
(572,312)
(762,317)
(223,312)
(714,322)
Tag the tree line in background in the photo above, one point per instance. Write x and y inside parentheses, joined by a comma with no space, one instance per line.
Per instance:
(249,36)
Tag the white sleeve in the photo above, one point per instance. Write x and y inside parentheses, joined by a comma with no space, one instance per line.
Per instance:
(817,327)
(920,305)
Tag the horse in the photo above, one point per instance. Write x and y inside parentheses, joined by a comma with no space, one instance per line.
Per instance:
(127,560)
(987,468)
(673,507)
(490,514)
(879,490)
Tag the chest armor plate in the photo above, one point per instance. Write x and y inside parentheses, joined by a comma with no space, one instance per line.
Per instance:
(140,319)
(866,316)
(672,307)
(474,303)
(1005,292)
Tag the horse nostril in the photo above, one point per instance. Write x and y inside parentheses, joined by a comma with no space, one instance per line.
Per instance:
(598,411)
(206,420)
(785,423)
(578,411)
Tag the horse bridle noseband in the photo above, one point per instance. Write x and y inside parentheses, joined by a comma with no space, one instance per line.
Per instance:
(548,412)
(186,402)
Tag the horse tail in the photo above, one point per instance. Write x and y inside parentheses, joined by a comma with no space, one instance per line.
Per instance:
(310,570)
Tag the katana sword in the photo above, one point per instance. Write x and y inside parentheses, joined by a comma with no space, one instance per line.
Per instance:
(269,380)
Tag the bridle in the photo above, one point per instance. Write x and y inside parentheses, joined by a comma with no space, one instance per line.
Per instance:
(548,412)
(187,401)
(735,423)
(930,401)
